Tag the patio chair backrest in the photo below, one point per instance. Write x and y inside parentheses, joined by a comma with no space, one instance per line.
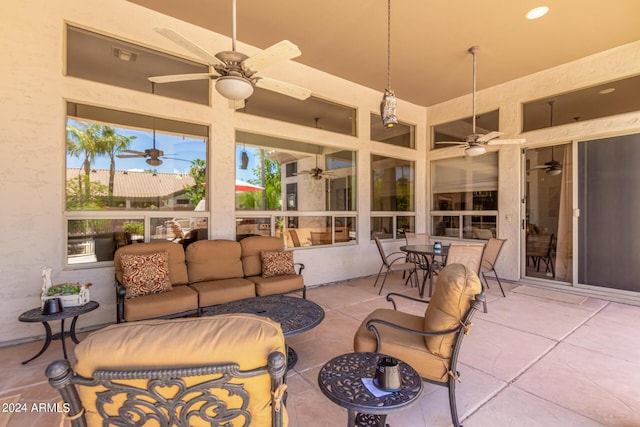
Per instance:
(381,251)
(468,255)
(491,253)
(417,238)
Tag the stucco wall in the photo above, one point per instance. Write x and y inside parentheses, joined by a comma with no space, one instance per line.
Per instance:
(32,144)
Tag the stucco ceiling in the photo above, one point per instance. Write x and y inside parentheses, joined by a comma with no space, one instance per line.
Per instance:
(429,39)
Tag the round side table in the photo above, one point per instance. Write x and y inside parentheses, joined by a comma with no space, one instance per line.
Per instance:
(35,315)
(340,379)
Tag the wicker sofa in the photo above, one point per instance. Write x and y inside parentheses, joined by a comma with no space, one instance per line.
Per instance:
(221,370)
(206,273)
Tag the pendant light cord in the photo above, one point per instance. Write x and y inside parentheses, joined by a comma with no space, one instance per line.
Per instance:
(389,44)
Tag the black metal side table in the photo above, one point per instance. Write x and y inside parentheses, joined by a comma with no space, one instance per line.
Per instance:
(35,315)
(340,379)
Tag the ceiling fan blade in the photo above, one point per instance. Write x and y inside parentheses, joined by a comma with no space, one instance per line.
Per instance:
(182,77)
(280,51)
(142,153)
(184,42)
(540,167)
(488,137)
(130,156)
(514,141)
(283,88)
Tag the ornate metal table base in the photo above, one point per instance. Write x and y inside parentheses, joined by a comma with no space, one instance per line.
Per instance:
(35,315)
(340,379)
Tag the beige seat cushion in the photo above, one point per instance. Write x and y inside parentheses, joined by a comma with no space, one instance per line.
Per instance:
(407,347)
(241,338)
(277,284)
(177,266)
(214,260)
(214,292)
(456,288)
(251,249)
(177,300)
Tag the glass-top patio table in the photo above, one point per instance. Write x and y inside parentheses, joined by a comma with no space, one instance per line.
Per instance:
(425,258)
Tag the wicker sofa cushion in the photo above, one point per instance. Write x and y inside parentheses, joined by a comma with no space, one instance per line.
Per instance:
(456,288)
(240,338)
(145,274)
(214,260)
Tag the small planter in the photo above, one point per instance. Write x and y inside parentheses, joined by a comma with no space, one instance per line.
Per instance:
(70,294)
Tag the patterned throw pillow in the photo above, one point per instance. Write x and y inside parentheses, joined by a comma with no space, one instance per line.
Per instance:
(277,263)
(145,274)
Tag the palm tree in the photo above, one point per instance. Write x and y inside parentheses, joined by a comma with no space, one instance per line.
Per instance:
(83,141)
(91,140)
(112,144)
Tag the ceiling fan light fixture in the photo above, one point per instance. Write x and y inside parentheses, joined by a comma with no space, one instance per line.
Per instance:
(234,88)
(554,171)
(475,150)
(154,162)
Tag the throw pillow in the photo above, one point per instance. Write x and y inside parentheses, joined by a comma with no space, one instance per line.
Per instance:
(145,274)
(277,263)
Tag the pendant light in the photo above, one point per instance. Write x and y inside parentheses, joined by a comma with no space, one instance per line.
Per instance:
(388,104)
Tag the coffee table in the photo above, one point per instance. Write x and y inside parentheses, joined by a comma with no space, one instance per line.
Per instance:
(35,315)
(340,379)
(295,315)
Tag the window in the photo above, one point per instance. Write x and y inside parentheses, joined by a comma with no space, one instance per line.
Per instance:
(315,185)
(458,130)
(131,178)
(465,197)
(108,60)
(312,112)
(392,196)
(402,134)
(603,100)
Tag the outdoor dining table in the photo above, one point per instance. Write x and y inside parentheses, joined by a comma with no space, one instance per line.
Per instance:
(425,259)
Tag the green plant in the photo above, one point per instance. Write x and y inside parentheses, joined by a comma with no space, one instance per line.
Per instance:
(134,227)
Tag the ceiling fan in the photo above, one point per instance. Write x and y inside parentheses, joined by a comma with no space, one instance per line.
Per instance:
(235,72)
(552,167)
(475,142)
(153,154)
(316,173)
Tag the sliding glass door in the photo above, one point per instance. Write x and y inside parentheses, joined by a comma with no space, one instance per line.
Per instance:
(548,224)
(609,202)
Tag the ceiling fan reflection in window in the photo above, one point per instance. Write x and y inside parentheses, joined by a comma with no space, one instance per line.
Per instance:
(552,167)
(316,173)
(475,143)
(236,72)
(153,155)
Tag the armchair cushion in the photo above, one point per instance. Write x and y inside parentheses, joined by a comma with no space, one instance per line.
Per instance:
(409,347)
(455,289)
(245,339)
(277,263)
(145,274)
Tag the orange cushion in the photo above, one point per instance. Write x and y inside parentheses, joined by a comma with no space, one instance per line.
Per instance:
(145,274)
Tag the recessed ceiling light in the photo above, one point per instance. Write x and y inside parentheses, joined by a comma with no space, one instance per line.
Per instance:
(123,55)
(537,12)
(607,90)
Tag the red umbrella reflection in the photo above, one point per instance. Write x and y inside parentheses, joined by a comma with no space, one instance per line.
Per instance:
(244,187)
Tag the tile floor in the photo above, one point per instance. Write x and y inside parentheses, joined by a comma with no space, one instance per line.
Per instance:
(529,361)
